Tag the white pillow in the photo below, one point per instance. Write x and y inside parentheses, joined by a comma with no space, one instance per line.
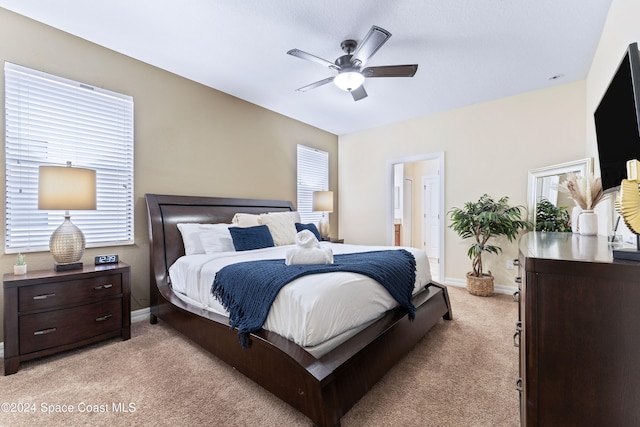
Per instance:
(217,240)
(191,235)
(246,220)
(282,226)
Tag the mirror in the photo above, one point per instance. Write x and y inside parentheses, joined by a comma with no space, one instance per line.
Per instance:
(543,184)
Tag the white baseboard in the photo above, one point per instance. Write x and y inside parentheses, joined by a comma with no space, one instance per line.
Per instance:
(140,315)
(498,289)
(136,316)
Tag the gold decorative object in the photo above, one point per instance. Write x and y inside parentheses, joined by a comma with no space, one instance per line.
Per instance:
(627,203)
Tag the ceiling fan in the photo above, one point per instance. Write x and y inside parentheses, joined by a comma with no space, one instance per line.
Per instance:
(351,74)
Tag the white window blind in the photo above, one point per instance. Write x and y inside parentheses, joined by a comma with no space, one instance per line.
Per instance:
(50,120)
(313,175)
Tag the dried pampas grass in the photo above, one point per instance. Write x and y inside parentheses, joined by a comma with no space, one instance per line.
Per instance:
(585,190)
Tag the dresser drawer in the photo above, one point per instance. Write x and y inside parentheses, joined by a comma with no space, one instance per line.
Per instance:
(54,328)
(57,294)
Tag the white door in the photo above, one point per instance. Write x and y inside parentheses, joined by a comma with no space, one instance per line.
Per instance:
(406,238)
(431,221)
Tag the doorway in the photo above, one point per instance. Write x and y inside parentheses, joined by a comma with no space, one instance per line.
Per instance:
(416,203)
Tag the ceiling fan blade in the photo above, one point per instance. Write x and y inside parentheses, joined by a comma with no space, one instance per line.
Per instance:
(315,85)
(374,39)
(391,71)
(309,57)
(359,93)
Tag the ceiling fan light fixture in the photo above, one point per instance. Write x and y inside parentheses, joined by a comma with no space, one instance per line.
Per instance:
(349,80)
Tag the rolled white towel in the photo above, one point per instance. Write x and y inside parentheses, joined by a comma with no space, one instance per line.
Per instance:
(308,251)
(307,256)
(306,239)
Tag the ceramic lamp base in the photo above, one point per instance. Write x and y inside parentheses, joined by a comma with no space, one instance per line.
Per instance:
(67,243)
(323,227)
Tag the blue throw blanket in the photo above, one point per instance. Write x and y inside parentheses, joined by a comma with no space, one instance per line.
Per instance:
(248,289)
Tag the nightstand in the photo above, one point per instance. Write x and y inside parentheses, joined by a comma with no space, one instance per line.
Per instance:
(46,312)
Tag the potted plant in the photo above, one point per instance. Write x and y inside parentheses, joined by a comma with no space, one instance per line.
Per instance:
(552,218)
(586,192)
(21,265)
(481,221)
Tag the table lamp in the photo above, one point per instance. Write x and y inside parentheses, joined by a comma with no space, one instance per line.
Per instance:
(323,201)
(66,188)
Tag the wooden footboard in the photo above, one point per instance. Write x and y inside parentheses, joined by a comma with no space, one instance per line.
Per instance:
(323,389)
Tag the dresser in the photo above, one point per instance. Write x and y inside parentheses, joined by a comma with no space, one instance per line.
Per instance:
(578,331)
(46,312)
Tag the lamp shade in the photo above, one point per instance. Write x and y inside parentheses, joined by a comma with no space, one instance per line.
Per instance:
(323,201)
(66,188)
(349,80)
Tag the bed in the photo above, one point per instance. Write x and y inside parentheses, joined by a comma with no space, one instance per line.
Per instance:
(323,388)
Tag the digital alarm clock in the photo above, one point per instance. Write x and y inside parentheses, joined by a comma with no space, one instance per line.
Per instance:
(106,259)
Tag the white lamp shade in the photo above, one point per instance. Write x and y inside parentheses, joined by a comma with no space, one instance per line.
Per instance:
(66,188)
(323,201)
(349,80)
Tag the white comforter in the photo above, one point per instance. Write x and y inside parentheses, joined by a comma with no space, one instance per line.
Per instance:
(309,310)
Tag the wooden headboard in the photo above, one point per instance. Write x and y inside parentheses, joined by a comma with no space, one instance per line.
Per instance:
(166,211)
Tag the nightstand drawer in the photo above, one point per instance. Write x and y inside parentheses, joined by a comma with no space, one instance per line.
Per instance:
(55,328)
(59,294)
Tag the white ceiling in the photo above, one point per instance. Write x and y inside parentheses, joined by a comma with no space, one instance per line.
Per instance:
(468,51)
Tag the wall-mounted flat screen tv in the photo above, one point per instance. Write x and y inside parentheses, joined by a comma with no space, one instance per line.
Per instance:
(617,121)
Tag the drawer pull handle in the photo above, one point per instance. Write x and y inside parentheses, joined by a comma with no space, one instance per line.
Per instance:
(107,286)
(44,331)
(516,336)
(44,296)
(519,384)
(103,318)
(518,280)
(516,261)
(516,296)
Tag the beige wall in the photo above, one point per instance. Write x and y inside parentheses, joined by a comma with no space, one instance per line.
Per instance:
(488,149)
(189,139)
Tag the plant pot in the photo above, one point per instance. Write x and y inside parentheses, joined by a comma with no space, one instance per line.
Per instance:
(588,223)
(480,286)
(575,213)
(20,269)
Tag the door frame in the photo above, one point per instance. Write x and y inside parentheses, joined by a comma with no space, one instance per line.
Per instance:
(439,156)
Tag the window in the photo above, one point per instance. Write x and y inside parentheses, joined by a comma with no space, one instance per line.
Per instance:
(50,121)
(313,175)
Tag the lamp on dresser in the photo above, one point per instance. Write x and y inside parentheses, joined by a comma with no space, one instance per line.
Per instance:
(323,201)
(66,188)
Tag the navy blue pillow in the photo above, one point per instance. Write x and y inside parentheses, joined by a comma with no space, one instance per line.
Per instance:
(311,227)
(247,238)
